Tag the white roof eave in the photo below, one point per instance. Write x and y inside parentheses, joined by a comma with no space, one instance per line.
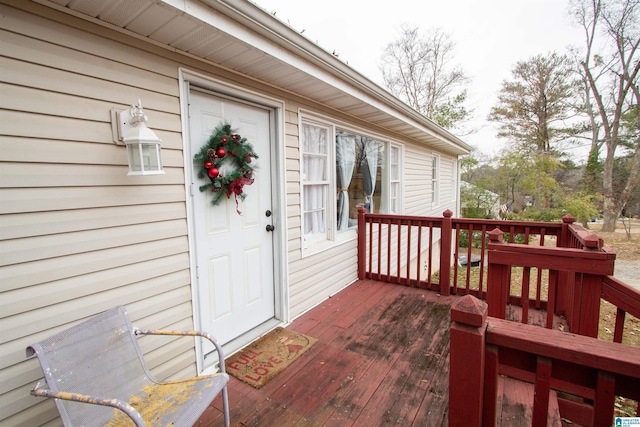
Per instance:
(242,37)
(259,20)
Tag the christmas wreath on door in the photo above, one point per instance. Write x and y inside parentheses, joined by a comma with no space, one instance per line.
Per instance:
(226,151)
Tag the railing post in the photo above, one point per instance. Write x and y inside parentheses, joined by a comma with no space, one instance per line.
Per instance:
(446,254)
(497,279)
(563,239)
(566,279)
(362,243)
(467,361)
(589,308)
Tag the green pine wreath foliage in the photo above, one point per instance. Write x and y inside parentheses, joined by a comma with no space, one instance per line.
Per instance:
(226,147)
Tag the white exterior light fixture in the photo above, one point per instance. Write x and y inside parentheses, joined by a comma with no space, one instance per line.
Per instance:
(143,145)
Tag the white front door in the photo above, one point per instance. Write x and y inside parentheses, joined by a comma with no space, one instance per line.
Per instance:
(234,253)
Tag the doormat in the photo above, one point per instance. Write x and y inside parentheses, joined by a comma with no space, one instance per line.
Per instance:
(260,361)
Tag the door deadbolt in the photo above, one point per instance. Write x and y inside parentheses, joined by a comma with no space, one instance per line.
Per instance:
(268,213)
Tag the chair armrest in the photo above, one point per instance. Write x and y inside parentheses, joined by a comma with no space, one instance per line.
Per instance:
(202,334)
(129,410)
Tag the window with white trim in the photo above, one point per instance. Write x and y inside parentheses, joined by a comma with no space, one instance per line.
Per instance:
(435,180)
(315,145)
(394,179)
(360,170)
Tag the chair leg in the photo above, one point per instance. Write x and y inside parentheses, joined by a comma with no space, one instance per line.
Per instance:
(225,407)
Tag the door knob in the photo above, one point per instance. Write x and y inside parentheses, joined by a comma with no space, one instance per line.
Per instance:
(270,227)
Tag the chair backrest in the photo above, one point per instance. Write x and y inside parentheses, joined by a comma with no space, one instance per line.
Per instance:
(99,357)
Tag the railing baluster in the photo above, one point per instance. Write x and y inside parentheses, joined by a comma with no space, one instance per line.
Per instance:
(541,393)
(389,232)
(482,259)
(551,297)
(429,271)
(418,269)
(469,247)
(378,247)
(445,254)
(539,288)
(399,252)
(362,243)
(370,272)
(456,257)
(408,282)
(491,371)
(524,294)
(605,399)
(619,328)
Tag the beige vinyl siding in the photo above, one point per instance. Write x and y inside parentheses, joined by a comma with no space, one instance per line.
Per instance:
(292,178)
(418,186)
(446,165)
(315,278)
(78,235)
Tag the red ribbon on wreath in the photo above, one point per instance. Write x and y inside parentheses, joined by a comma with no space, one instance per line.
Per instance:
(235,188)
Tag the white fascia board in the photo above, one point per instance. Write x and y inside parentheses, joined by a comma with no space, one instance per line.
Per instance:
(256,27)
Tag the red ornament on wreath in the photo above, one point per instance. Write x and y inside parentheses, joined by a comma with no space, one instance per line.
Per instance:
(221,152)
(213,173)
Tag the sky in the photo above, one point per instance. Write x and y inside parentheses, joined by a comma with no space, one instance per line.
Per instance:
(491,36)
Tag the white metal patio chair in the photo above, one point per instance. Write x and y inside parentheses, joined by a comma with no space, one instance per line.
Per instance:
(97,375)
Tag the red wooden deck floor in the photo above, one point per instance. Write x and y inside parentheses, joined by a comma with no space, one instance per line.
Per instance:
(382,358)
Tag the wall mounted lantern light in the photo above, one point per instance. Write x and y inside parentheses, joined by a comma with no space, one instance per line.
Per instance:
(143,145)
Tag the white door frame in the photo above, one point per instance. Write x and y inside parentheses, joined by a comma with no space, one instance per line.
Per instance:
(189,78)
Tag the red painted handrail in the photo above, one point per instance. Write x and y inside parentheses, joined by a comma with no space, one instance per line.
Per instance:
(626,300)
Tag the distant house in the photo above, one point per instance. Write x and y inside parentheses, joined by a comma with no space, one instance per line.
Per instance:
(80,236)
(478,202)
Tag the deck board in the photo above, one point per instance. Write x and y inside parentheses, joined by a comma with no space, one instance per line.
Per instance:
(382,358)
(516,403)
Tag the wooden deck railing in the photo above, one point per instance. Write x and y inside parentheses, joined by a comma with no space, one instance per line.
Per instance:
(402,249)
(578,281)
(626,300)
(590,373)
(571,272)
(470,238)
(559,268)
(579,238)
(574,282)
(425,251)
